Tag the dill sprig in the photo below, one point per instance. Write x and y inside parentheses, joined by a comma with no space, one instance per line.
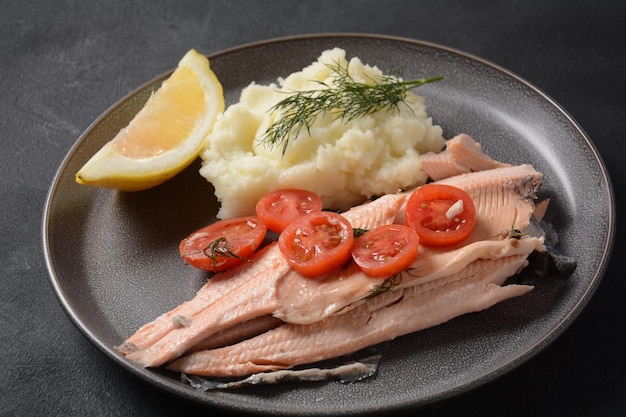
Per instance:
(344,98)
(357,231)
(385,286)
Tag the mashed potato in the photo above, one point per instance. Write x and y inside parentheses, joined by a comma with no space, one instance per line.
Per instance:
(345,163)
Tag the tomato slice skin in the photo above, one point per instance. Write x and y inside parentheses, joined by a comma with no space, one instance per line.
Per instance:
(223,244)
(386,250)
(277,209)
(427,209)
(317,243)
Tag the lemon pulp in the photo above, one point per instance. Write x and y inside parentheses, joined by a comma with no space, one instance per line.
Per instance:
(165,136)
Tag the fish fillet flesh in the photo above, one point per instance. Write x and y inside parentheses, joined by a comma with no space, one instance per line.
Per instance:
(462,155)
(383,211)
(227,308)
(215,289)
(251,295)
(308,301)
(238,332)
(382,318)
(504,201)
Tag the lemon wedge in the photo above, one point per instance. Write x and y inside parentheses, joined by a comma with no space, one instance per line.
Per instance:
(165,136)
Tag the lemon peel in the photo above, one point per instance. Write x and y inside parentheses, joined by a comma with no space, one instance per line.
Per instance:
(165,136)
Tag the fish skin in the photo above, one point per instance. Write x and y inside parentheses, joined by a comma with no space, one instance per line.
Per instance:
(382,318)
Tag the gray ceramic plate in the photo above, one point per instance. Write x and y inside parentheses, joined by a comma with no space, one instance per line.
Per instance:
(114,265)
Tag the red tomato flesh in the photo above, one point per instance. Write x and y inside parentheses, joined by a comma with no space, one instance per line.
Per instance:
(223,244)
(442,215)
(317,243)
(386,250)
(279,208)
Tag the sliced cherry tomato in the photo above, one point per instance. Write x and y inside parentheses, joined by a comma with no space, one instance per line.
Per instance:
(279,208)
(223,244)
(317,243)
(442,215)
(385,250)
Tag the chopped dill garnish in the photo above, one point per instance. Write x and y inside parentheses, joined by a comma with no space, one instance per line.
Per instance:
(515,233)
(385,286)
(217,248)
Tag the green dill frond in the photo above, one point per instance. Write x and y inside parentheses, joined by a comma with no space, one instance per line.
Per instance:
(345,99)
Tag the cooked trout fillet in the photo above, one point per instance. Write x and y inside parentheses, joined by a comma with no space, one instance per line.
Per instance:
(304,301)
(238,332)
(251,295)
(381,318)
(504,199)
(383,211)
(461,156)
(266,262)
(268,286)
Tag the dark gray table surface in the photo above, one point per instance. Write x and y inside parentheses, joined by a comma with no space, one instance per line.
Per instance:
(65,62)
